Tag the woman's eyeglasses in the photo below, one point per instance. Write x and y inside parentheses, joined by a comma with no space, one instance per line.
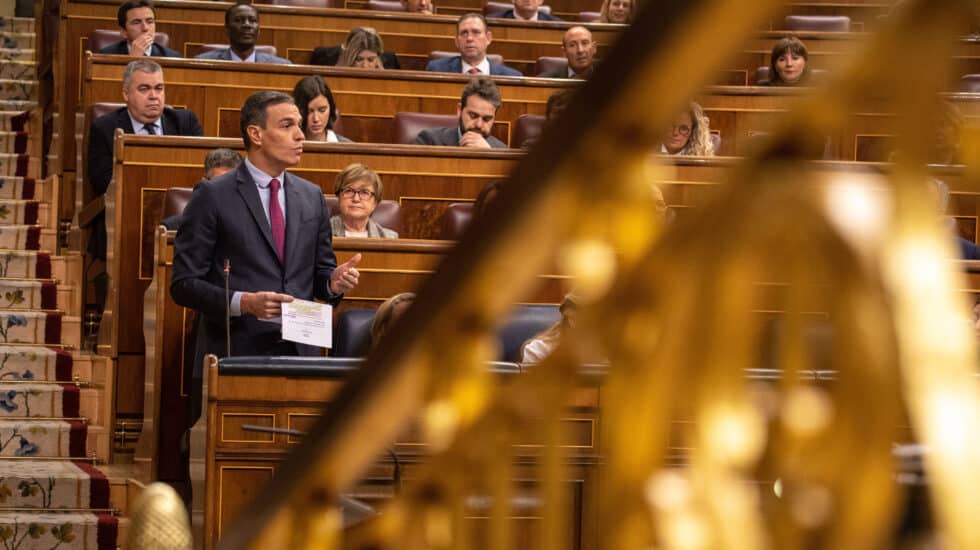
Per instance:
(682,129)
(363,194)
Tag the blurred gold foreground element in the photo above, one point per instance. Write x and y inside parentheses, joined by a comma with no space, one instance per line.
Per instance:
(159,521)
(780,465)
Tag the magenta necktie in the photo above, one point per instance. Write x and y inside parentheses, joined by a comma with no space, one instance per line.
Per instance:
(275,218)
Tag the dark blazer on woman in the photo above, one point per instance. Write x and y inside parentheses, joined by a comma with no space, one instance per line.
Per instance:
(330,56)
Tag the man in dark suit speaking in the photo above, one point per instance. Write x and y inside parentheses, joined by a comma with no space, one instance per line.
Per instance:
(476,111)
(274,230)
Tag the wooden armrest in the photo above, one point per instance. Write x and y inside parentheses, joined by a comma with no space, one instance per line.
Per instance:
(95,207)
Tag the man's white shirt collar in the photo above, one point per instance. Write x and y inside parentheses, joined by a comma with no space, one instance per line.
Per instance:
(532,18)
(484,66)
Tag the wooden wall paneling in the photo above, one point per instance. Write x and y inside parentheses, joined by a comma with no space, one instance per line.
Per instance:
(236,457)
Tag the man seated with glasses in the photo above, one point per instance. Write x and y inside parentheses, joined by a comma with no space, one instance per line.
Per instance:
(358,190)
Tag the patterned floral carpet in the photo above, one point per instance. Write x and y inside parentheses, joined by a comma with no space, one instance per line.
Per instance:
(52,495)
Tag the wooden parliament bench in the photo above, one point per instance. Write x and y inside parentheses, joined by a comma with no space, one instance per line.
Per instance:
(388,267)
(368,101)
(230,461)
(423,179)
(295,31)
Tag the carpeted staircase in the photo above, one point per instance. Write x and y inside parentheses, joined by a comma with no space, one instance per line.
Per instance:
(55,402)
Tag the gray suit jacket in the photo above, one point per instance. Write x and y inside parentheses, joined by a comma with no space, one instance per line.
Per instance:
(374,229)
(225,55)
(449,136)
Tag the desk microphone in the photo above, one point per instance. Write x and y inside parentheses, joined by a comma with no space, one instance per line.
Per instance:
(227,272)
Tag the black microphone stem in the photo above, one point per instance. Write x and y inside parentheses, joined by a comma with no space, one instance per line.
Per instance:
(227,273)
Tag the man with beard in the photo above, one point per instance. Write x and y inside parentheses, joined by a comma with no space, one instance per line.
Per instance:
(476,111)
(242,28)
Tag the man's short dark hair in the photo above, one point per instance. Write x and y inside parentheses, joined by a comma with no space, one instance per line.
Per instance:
(254,110)
(472,15)
(221,157)
(483,87)
(237,4)
(132,5)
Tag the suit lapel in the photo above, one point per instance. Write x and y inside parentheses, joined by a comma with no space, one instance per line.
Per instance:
(294,215)
(168,122)
(246,188)
(124,122)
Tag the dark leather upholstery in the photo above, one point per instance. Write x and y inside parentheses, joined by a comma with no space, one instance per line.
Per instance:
(494,58)
(521,325)
(970,83)
(388,213)
(527,127)
(548,64)
(271,50)
(491,8)
(408,125)
(589,16)
(96,110)
(100,38)
(454,220)
(826,23)
(175,199)
(313,367)
(385,5)
(304,3)
(353,335)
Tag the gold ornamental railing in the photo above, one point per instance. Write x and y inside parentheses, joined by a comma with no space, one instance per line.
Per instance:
(793,465)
